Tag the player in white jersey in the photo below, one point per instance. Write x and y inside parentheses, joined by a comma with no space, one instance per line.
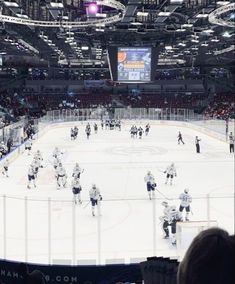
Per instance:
(95,198)
(185,199)
(165,219)
(36,164)
(77,171)
(31,176)
(147,128)
(57,152)
(56,162)
(170,173)
(76,188)
(174,216)
(150,183)
(5,168)
(28,146)
(61,176)
(38,156)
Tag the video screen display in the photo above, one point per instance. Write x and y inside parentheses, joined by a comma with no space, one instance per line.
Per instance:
(134,64)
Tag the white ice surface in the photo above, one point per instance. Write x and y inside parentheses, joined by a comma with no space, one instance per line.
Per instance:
(117,164)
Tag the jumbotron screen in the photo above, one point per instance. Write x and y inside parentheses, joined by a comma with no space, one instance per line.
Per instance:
(134,64)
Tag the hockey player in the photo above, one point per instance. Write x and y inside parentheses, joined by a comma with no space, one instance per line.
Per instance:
(61,176)
(185,199)
(75,132)
(95,128)
(3,149)
(57,152)
(170,173)
(102,124)
(197,140)
(72,134)
(56,162)
(180,138)
(106,124)
(147,128)
(77,171)
(36,164)
(38,156)
(150,183)
(76,188)
(31,176)
(95,197)
(135,131)
(5,168)
(165,218)
(132,131)
(174,216)
(231,142)
(111,124)
(119,124)
(28,146)
(88,131)
(140,131)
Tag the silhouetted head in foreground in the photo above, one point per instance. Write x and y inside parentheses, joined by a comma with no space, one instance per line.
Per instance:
(209,259)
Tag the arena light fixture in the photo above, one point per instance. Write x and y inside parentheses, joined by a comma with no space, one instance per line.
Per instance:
(187,26)
(176,1)
(22,16)
(164,14)
(215,17)
(101,15)
(222,3)
(57,5)
(226,34)
(168,47)
(202,16)
(142,14)
(11,4)
(119,7)
(92,8)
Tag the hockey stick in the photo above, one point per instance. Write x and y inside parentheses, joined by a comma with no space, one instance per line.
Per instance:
(163,195)
(86,204)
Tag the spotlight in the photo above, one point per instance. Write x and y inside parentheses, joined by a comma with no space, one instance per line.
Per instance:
(92,8)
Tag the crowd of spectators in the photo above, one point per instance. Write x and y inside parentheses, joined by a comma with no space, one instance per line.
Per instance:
(222,107)
(20,103)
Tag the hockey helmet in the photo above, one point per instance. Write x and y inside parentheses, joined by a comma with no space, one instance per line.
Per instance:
(149,172)
(173,208)
(186,190)
(93,185)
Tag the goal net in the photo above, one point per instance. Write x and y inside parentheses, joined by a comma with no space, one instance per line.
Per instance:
(187,231)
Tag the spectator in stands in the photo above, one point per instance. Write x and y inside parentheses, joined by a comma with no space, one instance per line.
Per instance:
(209,259)
(34,277)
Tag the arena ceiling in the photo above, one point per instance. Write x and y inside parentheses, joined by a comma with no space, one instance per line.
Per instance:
(78,32)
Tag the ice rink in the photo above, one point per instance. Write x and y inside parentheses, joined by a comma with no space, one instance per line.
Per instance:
(44,231)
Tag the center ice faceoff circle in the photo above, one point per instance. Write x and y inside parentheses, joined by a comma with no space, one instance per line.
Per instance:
(137,150)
